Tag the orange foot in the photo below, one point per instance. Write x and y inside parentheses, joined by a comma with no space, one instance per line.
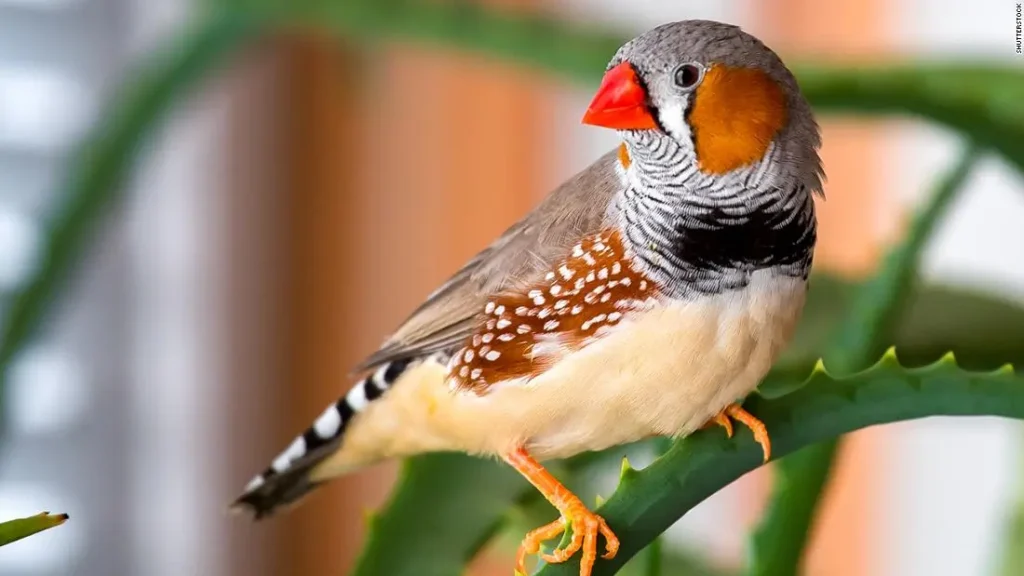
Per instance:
(736,412)
(585,524)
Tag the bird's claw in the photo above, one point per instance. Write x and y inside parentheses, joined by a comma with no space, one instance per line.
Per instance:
(586,526)
(736,412)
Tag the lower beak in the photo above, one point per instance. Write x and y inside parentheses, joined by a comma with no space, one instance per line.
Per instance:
(620,102)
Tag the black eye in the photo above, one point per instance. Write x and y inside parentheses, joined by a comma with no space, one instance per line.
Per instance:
(687,75)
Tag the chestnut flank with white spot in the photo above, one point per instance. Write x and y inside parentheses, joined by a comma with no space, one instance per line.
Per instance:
(583,297)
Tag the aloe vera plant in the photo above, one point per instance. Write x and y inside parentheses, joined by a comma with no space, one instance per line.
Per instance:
(461,502)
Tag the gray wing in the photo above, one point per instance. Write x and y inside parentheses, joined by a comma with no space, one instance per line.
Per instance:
(519,257)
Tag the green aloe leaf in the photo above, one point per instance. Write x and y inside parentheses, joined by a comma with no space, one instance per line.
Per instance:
(14,530)
(778,543)
(648,501)
(457,499)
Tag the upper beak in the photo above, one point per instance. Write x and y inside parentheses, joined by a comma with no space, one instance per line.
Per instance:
(620,102)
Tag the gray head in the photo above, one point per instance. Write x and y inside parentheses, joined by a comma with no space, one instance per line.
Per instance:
(714,90)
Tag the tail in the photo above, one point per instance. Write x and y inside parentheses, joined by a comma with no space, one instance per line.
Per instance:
(288,477)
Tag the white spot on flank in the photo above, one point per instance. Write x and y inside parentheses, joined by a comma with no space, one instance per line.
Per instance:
(484,350)
(599,246)
(356,398)
(549,276)
(643,284)
(547,347)
(523,329)
(616,268)
(534,293)
(550,325)
(589,259)
(556,290)
(507,337)
(464,371)
(602,273)
(598,289)
(595,320)
(487,338)
(539,300)
(489,308)
(577,309)
(561,304)
(614,316)
(499,310)
(327,425)
(503,323)
(522,311)
(493,355)
(606,297)
(566,273)
(468,356)
(577,250)
(590,276)
(590,298)
(476,340)
(475,373)
(580,283)
(490,324)
(626,281)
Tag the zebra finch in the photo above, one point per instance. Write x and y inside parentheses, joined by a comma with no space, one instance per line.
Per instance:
(646,296)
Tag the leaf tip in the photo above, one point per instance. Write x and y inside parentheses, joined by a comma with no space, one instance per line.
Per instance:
(626,468)
(948,358)
(57,519)
(819,367)
(890,356)
(599,500)
(1005,370)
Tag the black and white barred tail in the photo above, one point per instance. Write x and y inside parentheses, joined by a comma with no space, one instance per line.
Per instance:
(287,478)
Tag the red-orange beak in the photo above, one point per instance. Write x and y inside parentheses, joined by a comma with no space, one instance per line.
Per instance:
(621,102)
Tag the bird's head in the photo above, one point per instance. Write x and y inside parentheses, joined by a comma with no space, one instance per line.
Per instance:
(710,88)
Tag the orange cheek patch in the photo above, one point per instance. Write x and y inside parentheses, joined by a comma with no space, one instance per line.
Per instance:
(736,114)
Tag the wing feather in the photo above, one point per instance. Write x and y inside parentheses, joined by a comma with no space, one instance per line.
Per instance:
(519,257)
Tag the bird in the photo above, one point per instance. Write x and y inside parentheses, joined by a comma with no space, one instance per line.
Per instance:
(646,296)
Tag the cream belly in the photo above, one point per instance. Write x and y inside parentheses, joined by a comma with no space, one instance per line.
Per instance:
(665,372)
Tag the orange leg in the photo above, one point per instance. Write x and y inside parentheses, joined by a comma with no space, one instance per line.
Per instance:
(585,524)
(736,412)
